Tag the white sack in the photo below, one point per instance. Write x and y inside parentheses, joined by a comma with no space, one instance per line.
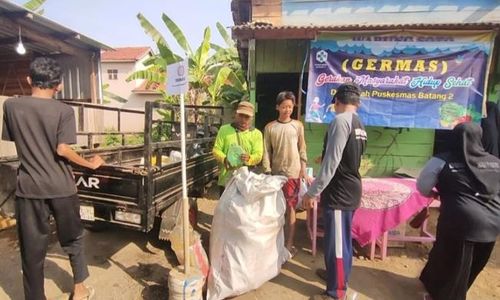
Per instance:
(247,244)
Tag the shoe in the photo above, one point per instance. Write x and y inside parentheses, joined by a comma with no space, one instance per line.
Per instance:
(322,297)
(321,273)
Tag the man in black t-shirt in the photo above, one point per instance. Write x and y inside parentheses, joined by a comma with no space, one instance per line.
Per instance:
(339,184)
(42,129)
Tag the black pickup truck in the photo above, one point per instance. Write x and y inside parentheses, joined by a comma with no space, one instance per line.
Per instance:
(139,182)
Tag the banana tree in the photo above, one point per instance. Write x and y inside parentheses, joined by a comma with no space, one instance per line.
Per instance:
(214,71)
(34,5)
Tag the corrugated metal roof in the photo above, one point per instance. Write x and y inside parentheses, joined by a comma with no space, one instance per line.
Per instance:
(263,30)
(44,24)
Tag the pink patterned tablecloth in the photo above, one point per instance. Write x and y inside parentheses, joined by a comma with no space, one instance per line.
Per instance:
(385,203)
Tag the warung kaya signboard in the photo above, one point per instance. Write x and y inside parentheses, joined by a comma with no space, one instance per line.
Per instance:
(409,79)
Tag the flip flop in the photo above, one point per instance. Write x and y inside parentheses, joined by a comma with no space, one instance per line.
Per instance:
(64,296)
(427,297)
(90,296)
(293,251)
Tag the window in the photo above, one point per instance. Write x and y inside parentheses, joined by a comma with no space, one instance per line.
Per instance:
(112,74)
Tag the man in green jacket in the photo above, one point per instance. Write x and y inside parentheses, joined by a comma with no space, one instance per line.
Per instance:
(238,138)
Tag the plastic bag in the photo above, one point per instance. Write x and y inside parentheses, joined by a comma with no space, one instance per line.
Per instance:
(302,191)
(198,257)
(248,222)
(185,287)
(234,155)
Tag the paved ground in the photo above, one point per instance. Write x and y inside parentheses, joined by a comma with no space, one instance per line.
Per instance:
(133,265)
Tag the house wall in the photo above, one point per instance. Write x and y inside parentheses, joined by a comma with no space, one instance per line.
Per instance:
(122,88)
(77,85)
(388,149)
(118,86)
(268,11)
(301,12)
(77,77)
(13,73)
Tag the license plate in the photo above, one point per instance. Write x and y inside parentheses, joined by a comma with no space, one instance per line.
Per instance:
(87,213)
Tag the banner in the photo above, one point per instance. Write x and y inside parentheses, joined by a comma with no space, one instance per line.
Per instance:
(409,79)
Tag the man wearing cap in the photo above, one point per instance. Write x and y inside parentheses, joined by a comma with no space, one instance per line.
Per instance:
(239,133)
(338,183)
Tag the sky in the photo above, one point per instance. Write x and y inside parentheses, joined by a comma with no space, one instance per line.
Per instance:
(114,22)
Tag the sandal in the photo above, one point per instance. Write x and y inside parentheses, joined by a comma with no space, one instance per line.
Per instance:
(427,297)
(293,251)
(64,296)
(90,296)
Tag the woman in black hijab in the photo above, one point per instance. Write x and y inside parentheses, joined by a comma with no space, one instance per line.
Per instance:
(491,129)
(467,179)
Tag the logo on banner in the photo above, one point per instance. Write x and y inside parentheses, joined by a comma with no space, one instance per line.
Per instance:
(181,71)
(322,56)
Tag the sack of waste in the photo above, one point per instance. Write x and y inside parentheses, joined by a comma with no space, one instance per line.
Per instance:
(247,242)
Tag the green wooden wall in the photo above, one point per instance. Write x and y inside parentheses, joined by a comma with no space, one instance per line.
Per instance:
(280,56)
(388,149)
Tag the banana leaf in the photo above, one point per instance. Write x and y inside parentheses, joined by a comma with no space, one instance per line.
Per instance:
(237,82)
(167,54)
(152,31)
(177,33)
(216,47)
(223,32)
(201,56)
(215,88)
(148,74)
(114,96)
(34,5)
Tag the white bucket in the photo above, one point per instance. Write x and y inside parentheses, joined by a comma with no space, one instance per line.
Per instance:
(185,287)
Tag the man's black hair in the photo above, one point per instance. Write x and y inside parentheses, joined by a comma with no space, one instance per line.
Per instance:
(285,95)
(45,73)
(348,93)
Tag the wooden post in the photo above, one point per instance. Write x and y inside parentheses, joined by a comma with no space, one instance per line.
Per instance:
(252,74)
(93,79)
(90,141)
(185,201)
(299,98)
(81,117)
(148,149)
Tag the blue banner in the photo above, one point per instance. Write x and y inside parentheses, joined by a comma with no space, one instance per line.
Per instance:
(408,79)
